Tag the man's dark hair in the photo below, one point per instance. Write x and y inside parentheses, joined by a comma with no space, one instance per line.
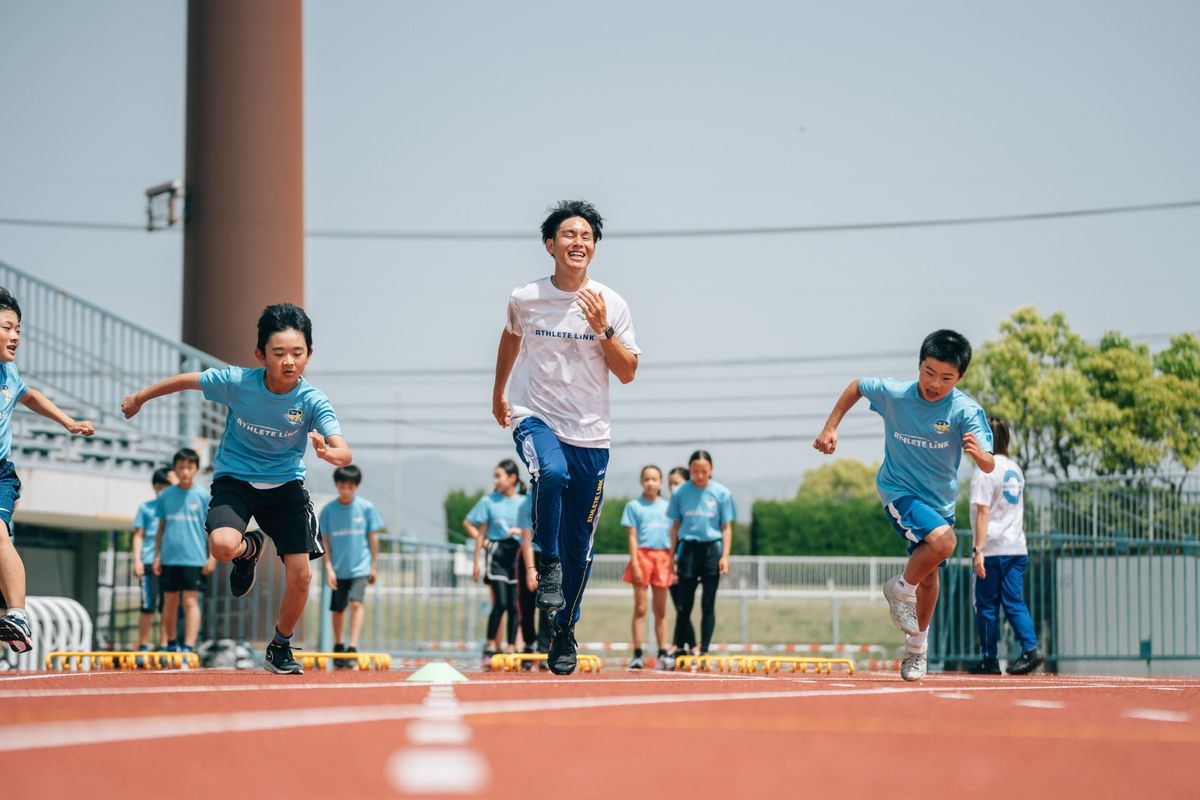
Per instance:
(9,303)
(283,317)
(1000,436)
(949,346)
(162,477)
(186,454)
(347,474)
(573,208)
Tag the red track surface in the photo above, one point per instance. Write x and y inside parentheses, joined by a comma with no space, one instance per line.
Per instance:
(371,735)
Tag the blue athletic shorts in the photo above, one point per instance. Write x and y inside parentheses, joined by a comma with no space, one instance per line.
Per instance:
(10,490)
(915,519)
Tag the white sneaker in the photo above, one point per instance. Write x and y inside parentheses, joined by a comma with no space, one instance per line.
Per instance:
(914,665)
(902,606)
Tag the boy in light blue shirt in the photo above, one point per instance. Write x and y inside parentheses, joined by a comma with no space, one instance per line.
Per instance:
(350,527)
(274,414)
(928,425)
(145,534)
(181,558)
(14,623)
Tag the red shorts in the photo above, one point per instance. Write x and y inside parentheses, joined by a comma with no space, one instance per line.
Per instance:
(656,567)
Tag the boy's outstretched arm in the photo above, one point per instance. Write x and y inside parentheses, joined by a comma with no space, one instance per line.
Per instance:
(333,449)
(39,403)
(506,356)
(133,403)
(985,460)
(826,441)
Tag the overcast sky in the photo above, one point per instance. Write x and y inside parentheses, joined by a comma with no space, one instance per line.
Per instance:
(469,117)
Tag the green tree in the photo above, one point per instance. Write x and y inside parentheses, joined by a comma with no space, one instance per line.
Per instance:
(1077,408)
(458,504)
(840,479)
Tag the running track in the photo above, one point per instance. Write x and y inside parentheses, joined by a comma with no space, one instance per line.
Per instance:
(213,734)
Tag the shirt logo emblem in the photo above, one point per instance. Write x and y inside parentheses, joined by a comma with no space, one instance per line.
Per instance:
(941,426)
(6,392)
(294,416)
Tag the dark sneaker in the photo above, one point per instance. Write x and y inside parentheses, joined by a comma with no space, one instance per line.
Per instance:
(637,662)
(140,662)
(241,577)
(339,663)
(988,666)
(279,660)
(486,661)
(14,629)
(549,592)
(350,663)
(561,657)
(1026,663)
(527,666)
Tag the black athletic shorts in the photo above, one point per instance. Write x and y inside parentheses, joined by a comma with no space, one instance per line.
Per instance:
(348,590)
(284,513)
(181,579)
(699,558)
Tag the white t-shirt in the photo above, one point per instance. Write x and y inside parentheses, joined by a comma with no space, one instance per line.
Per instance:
(1002,492)
(561,376)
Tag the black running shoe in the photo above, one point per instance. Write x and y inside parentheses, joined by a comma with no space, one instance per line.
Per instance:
(339,663)
(241,577)
(988,666)
(14,629)
(561,657)
(549,592)
(280,661)
(1026,663)
(352,661)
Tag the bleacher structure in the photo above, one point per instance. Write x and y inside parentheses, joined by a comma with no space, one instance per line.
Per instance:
(86,360)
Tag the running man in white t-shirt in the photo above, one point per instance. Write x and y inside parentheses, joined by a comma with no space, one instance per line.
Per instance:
(564,334)
(1000,557)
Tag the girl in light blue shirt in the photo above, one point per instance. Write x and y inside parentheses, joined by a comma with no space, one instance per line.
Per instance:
(702,515)
(493,524)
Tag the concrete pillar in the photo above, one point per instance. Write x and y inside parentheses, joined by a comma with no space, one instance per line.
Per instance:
(244,231)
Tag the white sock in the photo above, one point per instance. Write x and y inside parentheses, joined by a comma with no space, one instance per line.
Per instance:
(906,587)
(19,612)
(918,643)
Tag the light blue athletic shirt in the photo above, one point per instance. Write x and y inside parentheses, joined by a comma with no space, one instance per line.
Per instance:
(525,519)
(185,542)
(650,519)
(923,445)
(701,512)
(499,512)
(265,433)
(347,527)
(147,520)
(12,388)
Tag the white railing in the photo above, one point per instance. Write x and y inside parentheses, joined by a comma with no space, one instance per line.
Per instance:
(86,360)
(58,623)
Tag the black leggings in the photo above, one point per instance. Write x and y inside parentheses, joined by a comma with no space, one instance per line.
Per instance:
(535,622)
(505,602)
(685,632)
(708,608)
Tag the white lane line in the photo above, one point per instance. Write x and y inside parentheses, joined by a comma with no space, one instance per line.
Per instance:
(437,770)
(952,696)
(844,685)
(42,735)
(438,731)
(102,691)
(1157,715)
(1040,703)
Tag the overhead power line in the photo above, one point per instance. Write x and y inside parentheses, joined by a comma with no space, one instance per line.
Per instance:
(663,233)
(706,441)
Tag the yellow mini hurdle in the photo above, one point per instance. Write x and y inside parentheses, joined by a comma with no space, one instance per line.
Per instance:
(769,663)
(120,659)
(360,660)
(511,662)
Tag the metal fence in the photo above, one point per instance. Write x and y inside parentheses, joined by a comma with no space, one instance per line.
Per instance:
(424,601)
(1113,573)
(86,360)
